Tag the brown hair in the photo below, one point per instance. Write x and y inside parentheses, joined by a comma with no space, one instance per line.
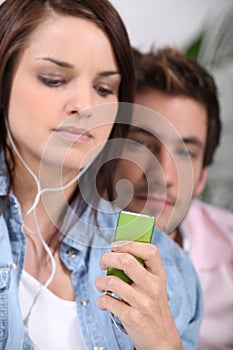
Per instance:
(20,18)
(172,72)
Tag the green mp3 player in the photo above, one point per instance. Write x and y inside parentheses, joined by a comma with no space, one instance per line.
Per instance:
(132,227)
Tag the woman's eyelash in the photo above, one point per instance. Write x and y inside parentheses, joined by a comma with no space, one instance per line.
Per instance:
(57,81)
(104,91)
(53,82)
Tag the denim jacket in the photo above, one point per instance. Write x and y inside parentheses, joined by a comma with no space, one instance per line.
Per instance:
(80,251)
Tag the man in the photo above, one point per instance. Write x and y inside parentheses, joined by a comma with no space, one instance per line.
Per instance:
(174,134)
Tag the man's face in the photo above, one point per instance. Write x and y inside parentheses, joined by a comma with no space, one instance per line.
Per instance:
(162,163)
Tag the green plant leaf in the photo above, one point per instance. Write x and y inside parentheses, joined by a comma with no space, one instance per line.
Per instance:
(192,51)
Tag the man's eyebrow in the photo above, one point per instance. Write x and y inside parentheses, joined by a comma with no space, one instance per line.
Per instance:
(140,130)
(192,141)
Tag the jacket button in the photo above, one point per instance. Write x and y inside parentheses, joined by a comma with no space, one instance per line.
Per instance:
(15,208)
(84,302)
(71,253)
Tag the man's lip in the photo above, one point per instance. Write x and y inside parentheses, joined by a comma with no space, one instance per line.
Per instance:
(154,199)
(74,134)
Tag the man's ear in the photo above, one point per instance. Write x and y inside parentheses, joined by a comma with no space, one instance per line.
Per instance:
(201,182)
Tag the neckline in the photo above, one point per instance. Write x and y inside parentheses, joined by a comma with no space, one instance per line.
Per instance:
(27,277)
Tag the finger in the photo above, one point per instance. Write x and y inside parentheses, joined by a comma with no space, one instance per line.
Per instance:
(144,282)
(118,307)
(117,289)
(149,253)
(114,284)
(125,262)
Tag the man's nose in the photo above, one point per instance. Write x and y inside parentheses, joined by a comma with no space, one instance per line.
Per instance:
(168,165)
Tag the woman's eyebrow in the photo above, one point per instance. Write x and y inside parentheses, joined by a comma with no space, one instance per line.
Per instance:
(59,63)
(108,73)
(67,65)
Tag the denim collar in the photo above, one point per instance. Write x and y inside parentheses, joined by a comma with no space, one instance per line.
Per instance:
(4,181)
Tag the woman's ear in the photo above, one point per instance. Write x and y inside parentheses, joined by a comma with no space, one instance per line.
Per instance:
(201,182)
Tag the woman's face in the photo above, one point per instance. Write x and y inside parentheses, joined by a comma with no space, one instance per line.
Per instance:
(67,67)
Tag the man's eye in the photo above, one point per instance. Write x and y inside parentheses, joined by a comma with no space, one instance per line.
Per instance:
(103,91)
(153,147)
(185,153)
(142,143)
(137,143)
(53,82)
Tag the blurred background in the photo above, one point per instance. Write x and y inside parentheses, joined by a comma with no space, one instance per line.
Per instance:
(204,30)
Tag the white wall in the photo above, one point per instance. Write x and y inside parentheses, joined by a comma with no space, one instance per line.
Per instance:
(161,22)
(166,21)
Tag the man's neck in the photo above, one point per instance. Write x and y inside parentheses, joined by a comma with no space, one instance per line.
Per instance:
(177,237)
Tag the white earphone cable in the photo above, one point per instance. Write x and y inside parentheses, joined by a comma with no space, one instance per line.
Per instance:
(32,209)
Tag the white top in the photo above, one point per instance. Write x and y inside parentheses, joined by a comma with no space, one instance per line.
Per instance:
(53,322)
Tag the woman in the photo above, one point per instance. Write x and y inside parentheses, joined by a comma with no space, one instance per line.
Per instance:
(65,65)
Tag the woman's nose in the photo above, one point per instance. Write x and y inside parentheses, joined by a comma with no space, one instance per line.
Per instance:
(80,101)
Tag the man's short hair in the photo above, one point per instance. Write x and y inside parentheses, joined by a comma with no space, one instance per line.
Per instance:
(172,72)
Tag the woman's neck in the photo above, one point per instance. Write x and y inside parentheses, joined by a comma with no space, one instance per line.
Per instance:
(45,206)
(41,176)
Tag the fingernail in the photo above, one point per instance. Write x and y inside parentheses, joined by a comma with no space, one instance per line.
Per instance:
(116,245)
(119,244)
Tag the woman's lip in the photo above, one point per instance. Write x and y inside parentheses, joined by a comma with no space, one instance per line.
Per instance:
(73,134)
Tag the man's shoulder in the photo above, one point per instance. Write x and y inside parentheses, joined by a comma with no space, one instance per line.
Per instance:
(207,215)
(208,226)
(201,206)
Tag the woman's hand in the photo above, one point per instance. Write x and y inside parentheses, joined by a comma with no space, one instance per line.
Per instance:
(144,309)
